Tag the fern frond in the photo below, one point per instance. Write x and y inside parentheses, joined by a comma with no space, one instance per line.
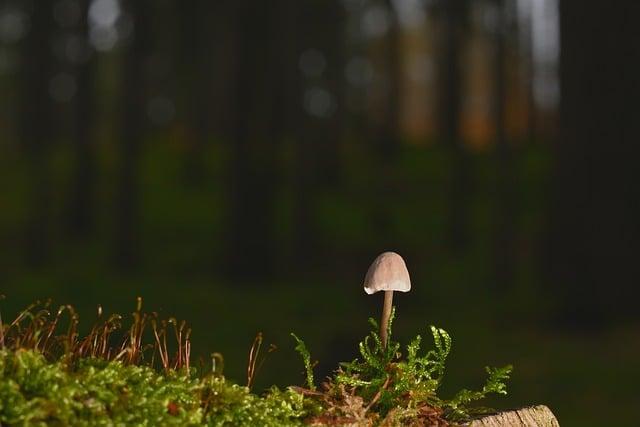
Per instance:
(301,348)
(496,383)
(370,355)
(392,317)
(390,383)
(442,341)
(413,348)
(374,323)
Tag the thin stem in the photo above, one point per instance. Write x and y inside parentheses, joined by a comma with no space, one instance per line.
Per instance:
(386,314)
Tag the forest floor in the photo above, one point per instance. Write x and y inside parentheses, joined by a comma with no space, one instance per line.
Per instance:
(138,370)
(554,368)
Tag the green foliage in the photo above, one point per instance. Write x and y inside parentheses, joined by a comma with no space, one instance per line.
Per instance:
(34,391)
(233,405)
(458,407)
(50,374)
(399,387)
(301,348)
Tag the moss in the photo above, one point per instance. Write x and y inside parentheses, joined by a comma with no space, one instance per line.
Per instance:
(34,391)
(51,375)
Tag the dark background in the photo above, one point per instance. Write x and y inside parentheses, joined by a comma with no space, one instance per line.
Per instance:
(239,164)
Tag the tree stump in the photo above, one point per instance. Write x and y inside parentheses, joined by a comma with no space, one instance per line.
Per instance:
(533,416)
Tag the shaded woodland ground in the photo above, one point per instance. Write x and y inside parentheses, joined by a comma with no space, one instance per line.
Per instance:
(239,165)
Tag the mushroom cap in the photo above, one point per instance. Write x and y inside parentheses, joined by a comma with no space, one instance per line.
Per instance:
(387,272)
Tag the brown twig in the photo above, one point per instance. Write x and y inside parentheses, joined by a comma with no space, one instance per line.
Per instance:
(378,394)
(253,358)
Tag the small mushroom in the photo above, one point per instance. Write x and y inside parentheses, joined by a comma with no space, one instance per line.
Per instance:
(387,273)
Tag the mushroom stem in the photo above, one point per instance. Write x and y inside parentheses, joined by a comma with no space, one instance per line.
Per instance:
(386,314)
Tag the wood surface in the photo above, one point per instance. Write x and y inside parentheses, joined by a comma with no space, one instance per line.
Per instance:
(533,416)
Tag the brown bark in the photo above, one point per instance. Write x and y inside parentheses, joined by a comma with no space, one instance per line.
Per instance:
(533,416)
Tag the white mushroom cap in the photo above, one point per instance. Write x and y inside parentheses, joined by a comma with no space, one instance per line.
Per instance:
(388,272)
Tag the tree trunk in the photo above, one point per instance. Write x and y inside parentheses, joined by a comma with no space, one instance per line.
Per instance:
(132,133)
(526,30)
(81,203)
(457,229)
(328,131)
(197,46)
(388,133)
(255,137)
(505,217)
(389,139)
(317,137)
(594,236)
(35,130)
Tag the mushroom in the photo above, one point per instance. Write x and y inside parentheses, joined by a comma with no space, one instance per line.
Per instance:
(387,273)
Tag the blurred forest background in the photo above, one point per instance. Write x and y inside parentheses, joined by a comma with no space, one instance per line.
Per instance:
(239,164)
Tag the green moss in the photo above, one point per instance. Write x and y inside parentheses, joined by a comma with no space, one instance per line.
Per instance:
(50,375)
(34,391)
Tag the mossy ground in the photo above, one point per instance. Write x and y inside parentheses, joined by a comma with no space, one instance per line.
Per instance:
(143,375)
(34,391)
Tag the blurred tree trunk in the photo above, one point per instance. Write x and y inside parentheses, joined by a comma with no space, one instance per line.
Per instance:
(127,215)
(197,48)
(256,134)
(450,76)
(36,132)
(529,66)
(337,62)
(318,135)
(594,234)
(304,132)
(387,133)
(81,203)
(505,217)
(329,131)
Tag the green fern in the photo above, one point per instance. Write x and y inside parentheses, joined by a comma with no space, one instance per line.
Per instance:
(301,348)
(387,381)
(458,407)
